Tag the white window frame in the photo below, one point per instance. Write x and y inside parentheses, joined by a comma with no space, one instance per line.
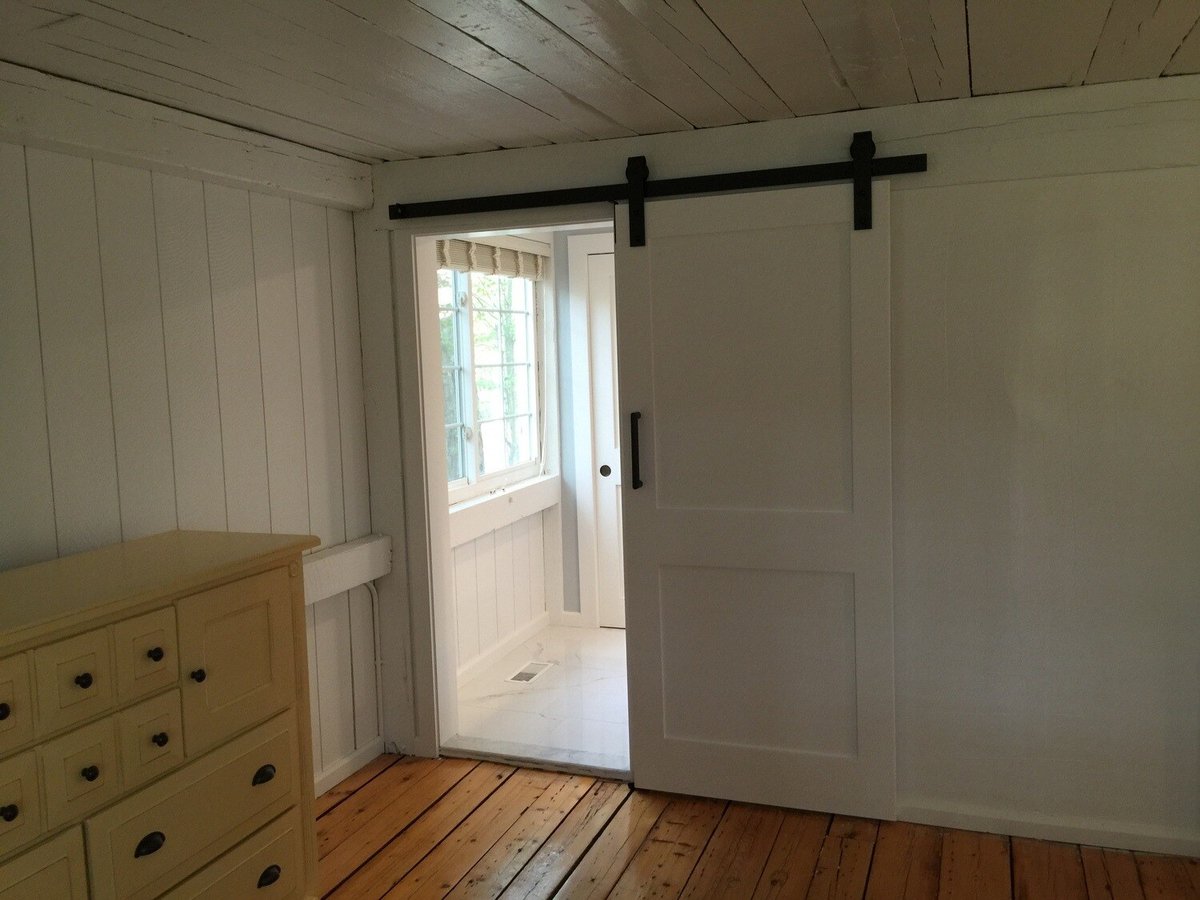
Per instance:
(473,485)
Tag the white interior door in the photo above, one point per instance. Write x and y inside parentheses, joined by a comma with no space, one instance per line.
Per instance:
(753,338)
(606,437)
(598,464)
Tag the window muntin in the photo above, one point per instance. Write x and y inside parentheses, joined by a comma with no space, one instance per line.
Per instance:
(488,333)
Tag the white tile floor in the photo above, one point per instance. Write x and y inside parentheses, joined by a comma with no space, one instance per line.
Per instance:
(573,713)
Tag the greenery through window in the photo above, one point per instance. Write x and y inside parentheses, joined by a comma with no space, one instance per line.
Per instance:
(489,373)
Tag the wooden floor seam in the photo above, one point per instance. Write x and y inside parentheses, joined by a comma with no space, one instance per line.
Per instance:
(404,827)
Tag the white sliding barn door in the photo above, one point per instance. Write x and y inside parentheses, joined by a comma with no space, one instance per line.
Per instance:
(753,337)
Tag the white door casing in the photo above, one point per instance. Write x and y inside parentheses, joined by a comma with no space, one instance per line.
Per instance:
(594,395)
(754,339)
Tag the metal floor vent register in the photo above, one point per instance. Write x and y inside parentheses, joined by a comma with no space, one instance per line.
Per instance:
(530,671)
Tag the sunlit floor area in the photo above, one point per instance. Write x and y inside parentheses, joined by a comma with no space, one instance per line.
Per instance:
(573,712)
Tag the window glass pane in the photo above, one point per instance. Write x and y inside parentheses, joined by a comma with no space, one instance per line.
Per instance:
(486,290)
(487,338)
(450,392)
(445,281)
(522,297)
(454,453)
(448,325)
(506,443)
(489,395)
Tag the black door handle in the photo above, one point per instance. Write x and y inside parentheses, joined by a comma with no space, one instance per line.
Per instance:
(85,680)
(198,676)
(9,813)
(151,843)
(606,470)
(269,876)
(5,711)
(89,773)
(635,453)
(160,739)
(155,654)
(263,775)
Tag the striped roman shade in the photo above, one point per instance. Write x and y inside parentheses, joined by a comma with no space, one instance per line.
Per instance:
(471,256)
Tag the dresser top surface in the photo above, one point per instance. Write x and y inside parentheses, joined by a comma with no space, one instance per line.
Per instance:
(171,564)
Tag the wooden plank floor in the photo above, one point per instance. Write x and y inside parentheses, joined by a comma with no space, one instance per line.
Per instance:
(405,827)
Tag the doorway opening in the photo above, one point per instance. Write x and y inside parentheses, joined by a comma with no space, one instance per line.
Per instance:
(529,619)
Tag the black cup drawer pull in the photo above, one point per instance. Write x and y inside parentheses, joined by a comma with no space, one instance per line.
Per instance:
(151,843)
(85,680)
(263,775)
(269,876)
(160,739)
(5,711)
(155,654)
(89,773)
(10,812)
(198,676)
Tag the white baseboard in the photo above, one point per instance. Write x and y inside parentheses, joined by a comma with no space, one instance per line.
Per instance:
(347,766)
(496,651)
(1093,832)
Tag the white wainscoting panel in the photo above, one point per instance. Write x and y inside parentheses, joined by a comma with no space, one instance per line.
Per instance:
(499,590)
(182,354)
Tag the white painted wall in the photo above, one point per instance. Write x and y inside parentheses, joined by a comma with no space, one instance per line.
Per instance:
(1046,314)
(177,353)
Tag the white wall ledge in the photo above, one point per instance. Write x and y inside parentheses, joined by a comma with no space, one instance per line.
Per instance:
(345,566)
(474,518)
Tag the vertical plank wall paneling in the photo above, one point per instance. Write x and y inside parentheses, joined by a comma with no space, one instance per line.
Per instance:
(78,400)
(25,482)
(499,586)
(183,354)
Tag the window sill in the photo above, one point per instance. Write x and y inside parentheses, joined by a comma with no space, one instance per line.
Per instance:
(478,516)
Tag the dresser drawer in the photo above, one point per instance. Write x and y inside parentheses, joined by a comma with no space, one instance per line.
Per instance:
(74,680)
(147,653)
(152,840)
(265,866)
(151,738)
(80,772)
(54,870)
(16,710)
(20,803)
(236,651)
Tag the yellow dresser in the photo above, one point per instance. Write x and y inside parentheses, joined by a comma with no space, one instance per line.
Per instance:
(154,722)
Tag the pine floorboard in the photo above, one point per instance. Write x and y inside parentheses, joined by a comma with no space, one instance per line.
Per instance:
(418,828)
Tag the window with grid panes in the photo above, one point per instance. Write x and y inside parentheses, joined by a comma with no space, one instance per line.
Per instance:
(488,327)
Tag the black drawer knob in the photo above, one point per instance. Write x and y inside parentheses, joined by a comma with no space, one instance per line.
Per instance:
(151,843)
(263,775)
(85,680)
(10,812)
(199,675)
(89,773)
(269,876)
(160,739)
(155,654)
(5,711)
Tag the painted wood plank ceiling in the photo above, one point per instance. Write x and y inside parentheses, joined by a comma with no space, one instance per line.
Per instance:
(396,79)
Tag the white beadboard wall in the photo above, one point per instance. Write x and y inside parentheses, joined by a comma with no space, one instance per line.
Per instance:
(499,588)
(183,354)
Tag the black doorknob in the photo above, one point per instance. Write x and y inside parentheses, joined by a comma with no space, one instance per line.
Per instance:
(606,470)
(89,773)
(269,876)
(151,843)
(5,711)
(199,675)
(10,812)
(155,654)
(85,680)
(160,739)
